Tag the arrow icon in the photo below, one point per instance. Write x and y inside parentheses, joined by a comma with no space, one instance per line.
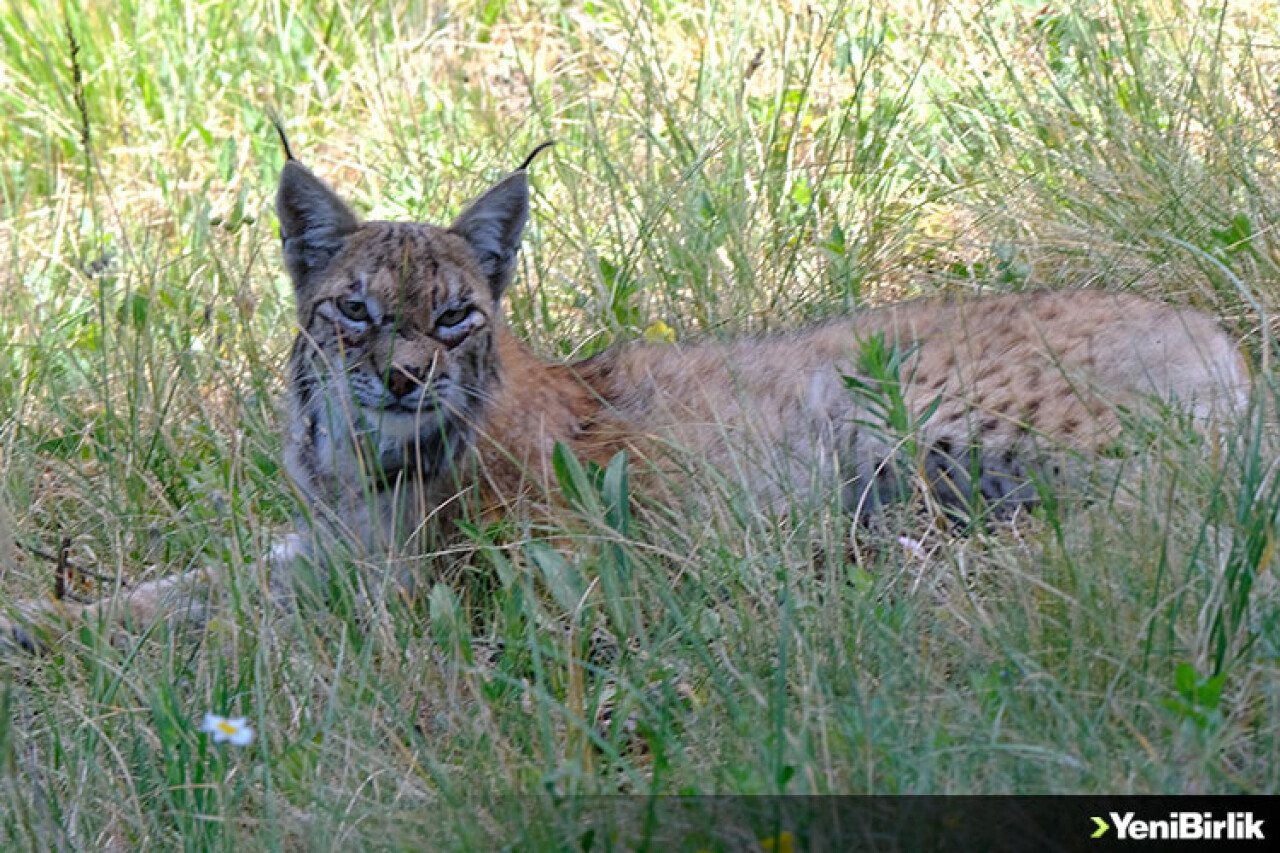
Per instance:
(1102,828)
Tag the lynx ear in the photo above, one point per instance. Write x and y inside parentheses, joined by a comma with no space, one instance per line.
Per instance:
(492,225)
(314,223)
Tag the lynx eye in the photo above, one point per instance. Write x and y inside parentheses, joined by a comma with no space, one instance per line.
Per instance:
(452,317)
(354,309)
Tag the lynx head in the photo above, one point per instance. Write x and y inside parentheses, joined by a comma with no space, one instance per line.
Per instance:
(395,355)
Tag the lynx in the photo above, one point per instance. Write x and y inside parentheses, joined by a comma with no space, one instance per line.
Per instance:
(406,388)
(411,403)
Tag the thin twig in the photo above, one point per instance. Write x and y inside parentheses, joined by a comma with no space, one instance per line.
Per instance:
(60,560)
(62,574)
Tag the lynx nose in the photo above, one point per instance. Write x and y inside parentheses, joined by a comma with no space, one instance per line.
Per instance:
(404,380)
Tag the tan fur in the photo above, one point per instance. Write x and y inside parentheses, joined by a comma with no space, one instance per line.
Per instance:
(1051,368)
(1014,377)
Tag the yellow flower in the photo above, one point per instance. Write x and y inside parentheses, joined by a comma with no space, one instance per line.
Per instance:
(659,333)
(782,843)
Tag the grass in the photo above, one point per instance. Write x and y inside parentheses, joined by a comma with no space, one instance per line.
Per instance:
(721,167)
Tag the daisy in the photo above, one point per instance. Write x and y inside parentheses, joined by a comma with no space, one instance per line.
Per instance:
(222,728)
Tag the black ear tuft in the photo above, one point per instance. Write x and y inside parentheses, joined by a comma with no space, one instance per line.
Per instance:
(528,161)
(492,225)
(314,223)
(278,124)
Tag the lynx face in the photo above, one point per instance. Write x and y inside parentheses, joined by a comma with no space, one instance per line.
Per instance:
(395,356)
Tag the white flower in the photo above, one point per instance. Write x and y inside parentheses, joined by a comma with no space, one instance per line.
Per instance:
(222,728)
(914,547)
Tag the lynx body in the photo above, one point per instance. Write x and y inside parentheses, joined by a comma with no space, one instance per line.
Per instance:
(407,390)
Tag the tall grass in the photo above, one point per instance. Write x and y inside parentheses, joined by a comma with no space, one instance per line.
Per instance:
(721,167)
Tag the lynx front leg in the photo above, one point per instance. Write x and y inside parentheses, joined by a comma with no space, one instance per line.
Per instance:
(35,624)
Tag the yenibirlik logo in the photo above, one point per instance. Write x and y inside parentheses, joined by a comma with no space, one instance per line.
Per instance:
(1183,826)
